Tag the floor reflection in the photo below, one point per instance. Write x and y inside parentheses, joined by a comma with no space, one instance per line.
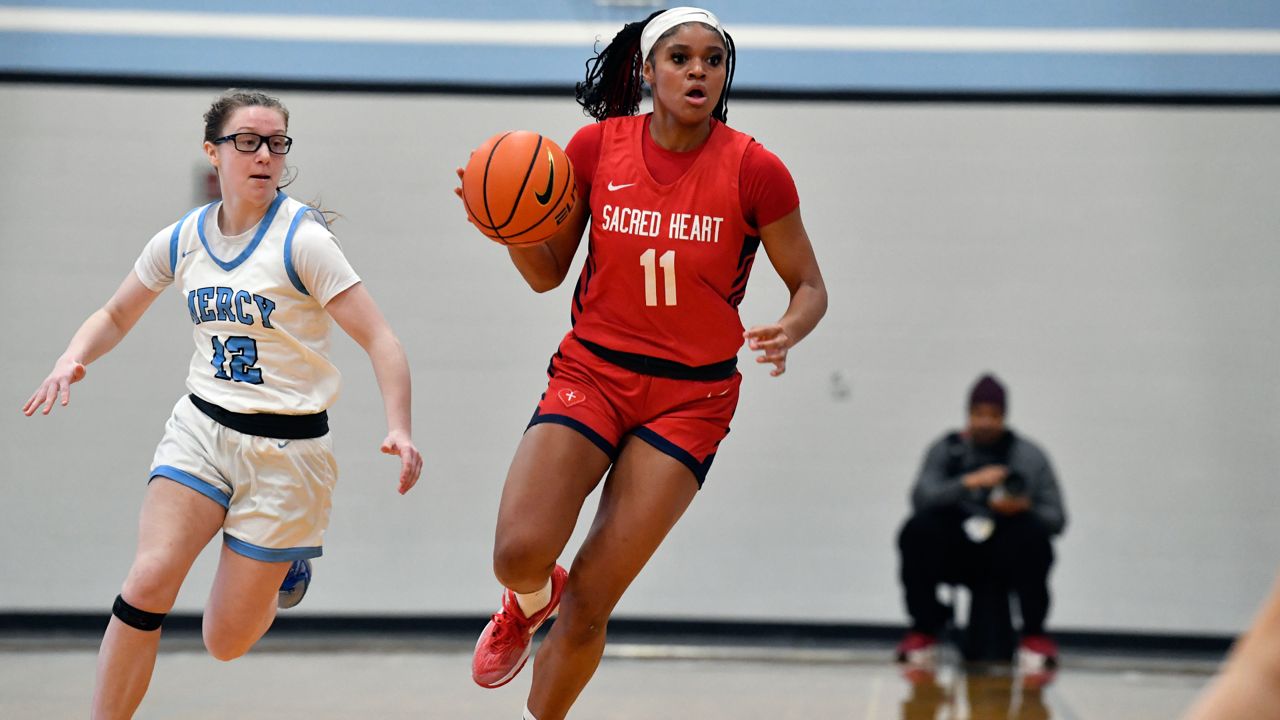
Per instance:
(976,693)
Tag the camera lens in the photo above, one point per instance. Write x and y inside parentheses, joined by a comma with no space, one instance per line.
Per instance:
(1015,484)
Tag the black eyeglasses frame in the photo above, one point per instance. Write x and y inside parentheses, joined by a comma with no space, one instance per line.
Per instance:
(262,140)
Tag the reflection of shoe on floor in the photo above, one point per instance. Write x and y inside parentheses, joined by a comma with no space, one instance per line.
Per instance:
(1037,654)
(917,648)
(504,646)
(920,676)
(295,584)
(1034,681)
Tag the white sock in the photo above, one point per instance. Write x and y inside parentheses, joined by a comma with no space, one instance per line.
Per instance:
(531,603)
(528,715)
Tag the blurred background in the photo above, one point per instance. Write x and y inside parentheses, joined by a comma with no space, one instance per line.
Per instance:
(1080,197)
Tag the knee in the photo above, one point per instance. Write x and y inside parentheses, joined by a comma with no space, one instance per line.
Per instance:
(518,563)
(582,621)
(152,585)
(1033,540)
(224,646)
(919,531)
(1025,554)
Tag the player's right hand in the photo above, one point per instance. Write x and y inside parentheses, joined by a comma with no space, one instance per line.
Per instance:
(65,372)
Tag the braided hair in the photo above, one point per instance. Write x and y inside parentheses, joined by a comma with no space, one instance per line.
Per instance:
(614,83)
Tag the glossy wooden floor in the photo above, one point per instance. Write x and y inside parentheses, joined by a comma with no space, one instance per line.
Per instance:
(322,679)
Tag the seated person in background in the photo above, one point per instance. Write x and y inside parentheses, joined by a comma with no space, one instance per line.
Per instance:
(985,507)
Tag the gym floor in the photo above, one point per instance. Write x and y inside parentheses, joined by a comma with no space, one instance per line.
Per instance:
(49,675)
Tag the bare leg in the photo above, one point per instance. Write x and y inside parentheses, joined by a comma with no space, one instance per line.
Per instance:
(645,495)
(1249,685)
(175,524)
(553,472)
(242,604)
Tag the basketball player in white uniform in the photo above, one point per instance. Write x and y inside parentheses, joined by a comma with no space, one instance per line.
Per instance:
(248,451)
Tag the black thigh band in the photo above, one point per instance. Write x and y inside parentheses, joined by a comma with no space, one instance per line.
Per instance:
(133,617)
(658,367)
(284,427)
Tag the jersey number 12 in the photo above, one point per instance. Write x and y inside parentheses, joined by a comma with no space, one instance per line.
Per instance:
(243,354)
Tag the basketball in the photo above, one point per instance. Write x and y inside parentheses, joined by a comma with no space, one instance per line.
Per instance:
(518,188)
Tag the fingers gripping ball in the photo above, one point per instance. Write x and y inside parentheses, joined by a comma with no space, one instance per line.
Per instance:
(518,188)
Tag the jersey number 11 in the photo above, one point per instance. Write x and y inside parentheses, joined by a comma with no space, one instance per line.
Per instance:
(668,264)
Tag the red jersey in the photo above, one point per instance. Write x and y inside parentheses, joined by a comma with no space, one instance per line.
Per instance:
(667,264)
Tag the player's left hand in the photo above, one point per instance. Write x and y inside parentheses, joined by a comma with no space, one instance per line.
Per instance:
(398,443)
(771,342)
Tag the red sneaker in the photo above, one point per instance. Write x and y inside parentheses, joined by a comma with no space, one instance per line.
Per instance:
(504,646)
(1037,653)
(917,648)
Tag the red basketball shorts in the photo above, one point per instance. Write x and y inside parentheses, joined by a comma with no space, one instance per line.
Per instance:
(685,419)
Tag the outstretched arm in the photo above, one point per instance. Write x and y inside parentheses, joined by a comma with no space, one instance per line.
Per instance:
(101,332)
(358,315)
(791,253)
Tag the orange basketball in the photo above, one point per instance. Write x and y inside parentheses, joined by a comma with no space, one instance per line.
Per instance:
(518,188)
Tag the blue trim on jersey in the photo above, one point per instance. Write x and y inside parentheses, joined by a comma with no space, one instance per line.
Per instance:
(253,244)
(182,477)
(581,427)
(257,552)
(665,446)
(173,240)
(288,250)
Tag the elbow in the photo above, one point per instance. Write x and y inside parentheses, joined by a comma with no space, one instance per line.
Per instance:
(544,280)
(820,297)
(822,303)
(541,285)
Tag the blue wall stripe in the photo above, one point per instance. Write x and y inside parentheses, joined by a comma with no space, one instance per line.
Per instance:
(802,66)
(761,69)
(918,13)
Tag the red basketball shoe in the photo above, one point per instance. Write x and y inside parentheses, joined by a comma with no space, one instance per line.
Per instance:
(917,648)
(1037,653)
(504,646)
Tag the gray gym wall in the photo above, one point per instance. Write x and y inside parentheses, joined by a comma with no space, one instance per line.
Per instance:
(1116,266)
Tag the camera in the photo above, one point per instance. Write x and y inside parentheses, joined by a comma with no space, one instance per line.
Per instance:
(1014,484)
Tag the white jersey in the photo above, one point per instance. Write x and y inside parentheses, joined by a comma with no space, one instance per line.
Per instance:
(257,303)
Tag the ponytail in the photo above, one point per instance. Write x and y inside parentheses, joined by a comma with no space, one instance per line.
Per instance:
(614,83)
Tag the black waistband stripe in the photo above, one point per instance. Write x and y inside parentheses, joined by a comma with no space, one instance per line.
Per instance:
(284,427)
(659,367)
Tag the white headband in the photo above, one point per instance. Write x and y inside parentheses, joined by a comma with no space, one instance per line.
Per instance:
(658,26)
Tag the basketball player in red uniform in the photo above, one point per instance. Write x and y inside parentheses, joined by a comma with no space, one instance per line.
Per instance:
(644,385)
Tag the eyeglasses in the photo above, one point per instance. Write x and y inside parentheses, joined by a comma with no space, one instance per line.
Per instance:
(250,142)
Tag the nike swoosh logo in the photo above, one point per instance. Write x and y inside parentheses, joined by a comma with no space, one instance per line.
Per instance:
(187,252)
(613,187)
(545,196)
(281,445)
